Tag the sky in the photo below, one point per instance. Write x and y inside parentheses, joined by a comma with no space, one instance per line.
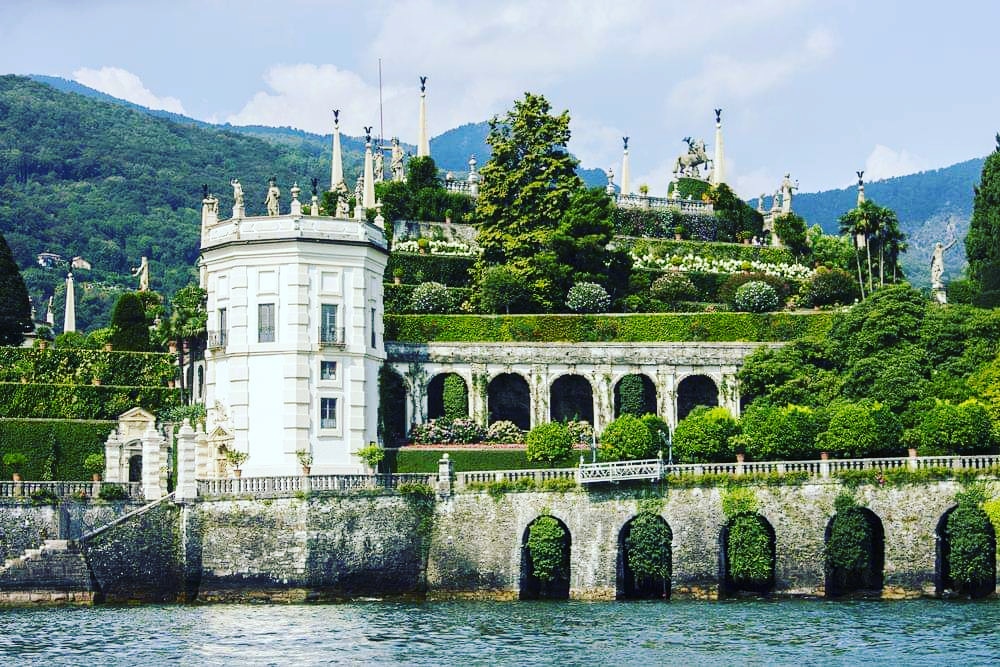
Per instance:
(817,89)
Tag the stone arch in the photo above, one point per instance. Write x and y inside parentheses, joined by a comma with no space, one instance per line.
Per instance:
(436,403)
(392,392)
(531,586)
(695,390)
(135,468)
(943,581)
(629,586)
(508,398)
(571,398)
(731,585)
(644,403)
(867,578)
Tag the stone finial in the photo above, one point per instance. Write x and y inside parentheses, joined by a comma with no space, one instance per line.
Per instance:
(625,143)
(718,116)
(423,84)
(336,117)
(368,134)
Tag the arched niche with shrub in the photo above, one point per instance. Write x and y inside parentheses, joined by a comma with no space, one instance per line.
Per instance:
(571,398)
(966,549)
(635,394)
(746,546)
(695,390)
(447,397)
(545,560)
(392,406)
(645,558)
(855,550)
(509,399)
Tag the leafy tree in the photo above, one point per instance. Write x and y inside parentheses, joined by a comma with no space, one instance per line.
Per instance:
(130,333)
(546,545)
(829,250)
(628,438)
(791,229)
(850,548)
(799,373)
(647,546)
(501,290)
(862,429)
(891,316)
(535,214)
(734,215)
(947,429)
(421,172)
(188,323)
(703,436)
(982,244)
(780,433)
(15,307)
(877,238)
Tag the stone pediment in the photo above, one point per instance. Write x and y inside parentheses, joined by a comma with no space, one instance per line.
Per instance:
(219,434)
(137,415)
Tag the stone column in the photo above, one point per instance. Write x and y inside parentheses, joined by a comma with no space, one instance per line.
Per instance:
(666,396)
(445,473)
(604,398)
(478,397)
(203,456)
(113,458)
(538,390)
(729,393)
(154,469)
(187,457)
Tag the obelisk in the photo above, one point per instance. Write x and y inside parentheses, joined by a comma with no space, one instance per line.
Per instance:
(337,165)
(626,187)
(368,199)
(423,143)
(69,323)
(719,165)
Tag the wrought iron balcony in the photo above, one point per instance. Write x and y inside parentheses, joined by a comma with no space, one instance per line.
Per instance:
(331,336)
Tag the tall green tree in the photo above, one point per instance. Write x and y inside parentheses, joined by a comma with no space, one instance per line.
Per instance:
(15,307)
(535,215)
(982,244)
(129,331)
(189,325)
(878,239)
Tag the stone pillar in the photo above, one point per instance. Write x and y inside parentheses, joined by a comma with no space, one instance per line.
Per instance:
(337,162)
(666,396)
(203,457)
(445,473)
(729,393)
(604,399)
(368,197)
(154,468)
(187,457)
(538,390)
(296,204)
(719,163)
(423,141)
(314,206)
(113,458)
(478,397)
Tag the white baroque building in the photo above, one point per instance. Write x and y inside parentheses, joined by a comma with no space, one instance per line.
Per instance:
(295,337)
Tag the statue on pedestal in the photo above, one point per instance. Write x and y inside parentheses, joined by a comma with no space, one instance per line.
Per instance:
(689,165)
(237,193)
(273,197)
(396,165)
(142,271)
(379,165)
(786,193)
(937,259)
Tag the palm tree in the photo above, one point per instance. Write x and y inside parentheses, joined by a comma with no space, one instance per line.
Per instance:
(853,224)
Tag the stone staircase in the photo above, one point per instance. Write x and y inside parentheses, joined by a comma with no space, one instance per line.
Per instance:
(56,572)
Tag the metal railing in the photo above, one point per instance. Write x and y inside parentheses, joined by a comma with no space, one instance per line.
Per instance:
(331,336)
(66,489)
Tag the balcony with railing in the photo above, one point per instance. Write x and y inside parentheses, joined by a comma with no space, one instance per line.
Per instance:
(331,337)
(217,340)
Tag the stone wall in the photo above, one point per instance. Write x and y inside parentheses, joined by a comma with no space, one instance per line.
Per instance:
(26,525)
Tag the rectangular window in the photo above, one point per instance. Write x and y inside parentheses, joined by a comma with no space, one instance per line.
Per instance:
(373,327)
(328,370)
(328,413)
(328,324)
(265,323)
(223,327)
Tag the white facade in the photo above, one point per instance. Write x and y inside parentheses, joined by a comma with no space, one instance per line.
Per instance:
(295,338)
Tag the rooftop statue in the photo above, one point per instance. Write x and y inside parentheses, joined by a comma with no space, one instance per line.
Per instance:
(396,166)
(273,197)
(237,193)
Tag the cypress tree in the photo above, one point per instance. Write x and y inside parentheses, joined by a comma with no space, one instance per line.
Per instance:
(982,245)
(129,331)
(15,307)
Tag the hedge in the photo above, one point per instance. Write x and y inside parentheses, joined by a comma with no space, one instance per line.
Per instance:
(81,366)
(659,327)
(464,460)
(708,249)
(67,401)
(445,269)
(55,448)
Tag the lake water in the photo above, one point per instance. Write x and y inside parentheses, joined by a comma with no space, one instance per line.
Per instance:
(489,633)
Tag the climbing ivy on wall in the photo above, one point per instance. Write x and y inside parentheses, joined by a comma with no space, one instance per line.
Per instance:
(632,391)
(749,550)
(971,546)
(648,546)
(455,397)
(850,547)
(546,545)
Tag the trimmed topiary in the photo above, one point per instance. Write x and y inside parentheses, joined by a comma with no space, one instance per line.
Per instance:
(627,438)
(829,287)
(549,443)
(588,298)
(674,287)
(756,297)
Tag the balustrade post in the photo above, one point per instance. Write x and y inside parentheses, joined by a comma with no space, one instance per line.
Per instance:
(911,460)
(187,484)
(445,472)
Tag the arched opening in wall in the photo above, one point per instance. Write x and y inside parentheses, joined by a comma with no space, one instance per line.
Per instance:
(571,399)
(695,390)
(201,382)
(635,395)
(391,407)
(855,552)
(545,549)
(135,468)
(746,549)
(508,399)
(645,558)
(966,553)
(447,396)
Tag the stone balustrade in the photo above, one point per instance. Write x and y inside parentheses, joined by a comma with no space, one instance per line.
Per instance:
(66,489)
(661,203)
(464,479)
(276,487)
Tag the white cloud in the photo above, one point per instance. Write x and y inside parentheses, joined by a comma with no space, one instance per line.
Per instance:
(725,79)
(884,162)
(303,95)
(125,85)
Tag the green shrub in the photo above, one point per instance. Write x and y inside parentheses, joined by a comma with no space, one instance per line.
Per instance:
(112,492)
(850,549)
(648,546)
(130,331)
(53,448)
(755,297)
(632,395)
(52,401)
(703,436)
(749,552)
(464,460)
(549,443)
(947,429)
(787,433)
(431,297)
(627,438)
(455,397)
(501,290)
(971,548)
(962,291)
(415,268)
(558,485)
(504,431)
(674,287)
(829,287)
(862,429)
(15,461)
(94,463)
(588,298)
(727,291)
(546,545)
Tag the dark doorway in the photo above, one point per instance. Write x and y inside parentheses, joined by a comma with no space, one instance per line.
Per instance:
(571,399)
(135,468)
(508,399)
(392,407)
(693,391)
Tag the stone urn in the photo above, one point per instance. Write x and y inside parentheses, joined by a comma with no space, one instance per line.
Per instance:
(306,470)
